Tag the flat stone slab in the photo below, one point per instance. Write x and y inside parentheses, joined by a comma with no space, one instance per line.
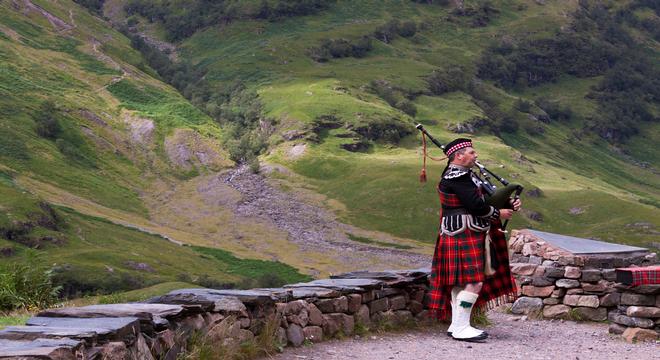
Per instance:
(245,296)
(139,310)
(105,329)
(208,299)
(40,348)
(389,278)
(585,246)
(340,284)
(48,332)
(377,275)
(318,292)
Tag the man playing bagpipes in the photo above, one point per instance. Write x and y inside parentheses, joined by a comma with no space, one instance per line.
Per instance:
(471,261)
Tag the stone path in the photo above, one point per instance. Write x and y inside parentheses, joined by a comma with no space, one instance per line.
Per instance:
(510,338)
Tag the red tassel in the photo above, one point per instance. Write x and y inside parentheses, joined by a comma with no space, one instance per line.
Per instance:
(422,175)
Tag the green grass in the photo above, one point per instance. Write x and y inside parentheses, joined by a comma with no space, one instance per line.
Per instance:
(252,268)
(365,240)
(13,319)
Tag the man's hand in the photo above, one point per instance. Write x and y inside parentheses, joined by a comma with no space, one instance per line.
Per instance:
(506,214)
(516,204)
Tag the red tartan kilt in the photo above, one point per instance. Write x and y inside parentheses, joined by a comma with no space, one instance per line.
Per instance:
(459,259)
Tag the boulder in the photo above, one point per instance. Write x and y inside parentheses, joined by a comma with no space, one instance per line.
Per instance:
(617,329)
(294,307)
(362,316)
(592,314)
(637,299)
(313,333)
(295,335)
(315,315)
(543,281)
(599,288)
(398,302)
(535,291)
(567,283)
(526,305)
(643,311)
(379,305)
(556,311)
(550,301)
(633,335)
(630,321)
(339,304)
(611,299)
(591,275)
(523,269)
(354,302)
(572,272)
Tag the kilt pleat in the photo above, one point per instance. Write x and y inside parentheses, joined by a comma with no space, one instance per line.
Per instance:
(459,260)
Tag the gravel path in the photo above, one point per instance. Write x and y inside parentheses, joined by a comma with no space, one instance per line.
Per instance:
(510,338)
(312,228)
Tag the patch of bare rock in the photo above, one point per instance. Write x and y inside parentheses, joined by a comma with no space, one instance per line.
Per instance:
(312,228)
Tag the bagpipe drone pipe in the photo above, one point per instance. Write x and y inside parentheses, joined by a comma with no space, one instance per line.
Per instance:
(498,197)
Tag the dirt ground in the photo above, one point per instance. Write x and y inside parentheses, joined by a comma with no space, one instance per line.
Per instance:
(510,338)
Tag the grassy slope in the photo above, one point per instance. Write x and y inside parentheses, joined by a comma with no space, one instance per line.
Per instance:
(83,68)
(379,189)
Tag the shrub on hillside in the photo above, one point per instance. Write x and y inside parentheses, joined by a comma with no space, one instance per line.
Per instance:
(27,285)
(388,31)
(47,124)
(387,130)
(554,110)
(448,80)
(181,19)
(340,48)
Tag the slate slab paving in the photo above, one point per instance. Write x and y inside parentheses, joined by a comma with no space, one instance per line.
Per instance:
(106,329)
(40,348)
(585,246)
(208,299)
(246,296)
(343,285)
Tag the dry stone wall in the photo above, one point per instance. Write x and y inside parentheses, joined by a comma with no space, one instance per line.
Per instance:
(160,327)
(554,283)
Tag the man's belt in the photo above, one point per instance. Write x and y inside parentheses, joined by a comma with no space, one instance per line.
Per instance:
(452,212)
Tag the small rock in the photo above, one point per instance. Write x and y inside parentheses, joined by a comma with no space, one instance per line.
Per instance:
(525,305)
(591,275)
(572,272)
(567,283)
(295,335)
(535,291)
(643,311)
(633,335)
(637,299)
(556,311)
(615,328)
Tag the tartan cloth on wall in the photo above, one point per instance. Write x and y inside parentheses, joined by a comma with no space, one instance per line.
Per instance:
(501,287)
(635,276)
(459,260)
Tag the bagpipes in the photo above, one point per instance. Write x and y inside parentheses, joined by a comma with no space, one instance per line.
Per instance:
(496,197)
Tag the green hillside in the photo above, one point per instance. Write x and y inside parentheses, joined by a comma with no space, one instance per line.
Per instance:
(359,74)
(118,119)
(87,129)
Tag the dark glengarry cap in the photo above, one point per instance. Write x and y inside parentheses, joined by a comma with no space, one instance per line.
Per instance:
(457,144)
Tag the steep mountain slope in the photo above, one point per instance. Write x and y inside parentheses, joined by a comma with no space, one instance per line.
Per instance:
(339,90)
(89,136)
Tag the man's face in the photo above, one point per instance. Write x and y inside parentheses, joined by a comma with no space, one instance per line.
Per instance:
(467,158)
